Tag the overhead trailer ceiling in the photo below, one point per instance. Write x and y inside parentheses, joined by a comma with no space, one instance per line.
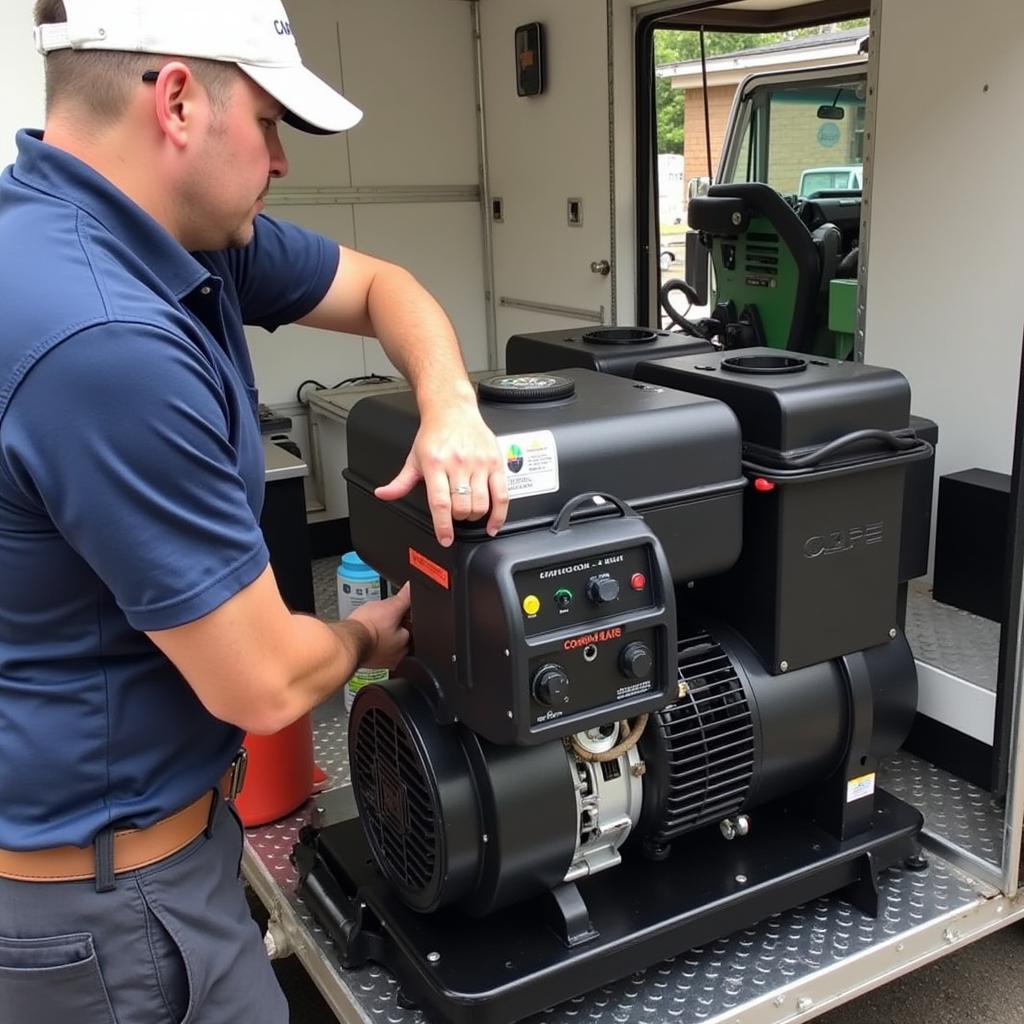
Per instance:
(767,15)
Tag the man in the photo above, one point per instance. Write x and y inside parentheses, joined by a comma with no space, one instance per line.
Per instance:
(140,625)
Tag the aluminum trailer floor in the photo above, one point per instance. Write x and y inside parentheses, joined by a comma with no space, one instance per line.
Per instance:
(791,967)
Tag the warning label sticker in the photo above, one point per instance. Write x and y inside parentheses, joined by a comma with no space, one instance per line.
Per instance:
(431,569)
(531,463)
(863,785)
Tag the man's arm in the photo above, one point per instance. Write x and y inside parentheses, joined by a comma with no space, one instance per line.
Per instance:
(453,448)
(255,664)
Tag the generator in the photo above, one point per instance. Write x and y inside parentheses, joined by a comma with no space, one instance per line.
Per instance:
(592,760)
(608,349)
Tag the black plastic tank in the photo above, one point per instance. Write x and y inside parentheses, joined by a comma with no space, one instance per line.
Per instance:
(825,445)
(607,349)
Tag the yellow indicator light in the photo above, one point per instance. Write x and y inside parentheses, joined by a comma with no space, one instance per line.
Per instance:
(531,604)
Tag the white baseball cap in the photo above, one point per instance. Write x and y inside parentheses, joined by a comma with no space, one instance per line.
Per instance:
(254,34)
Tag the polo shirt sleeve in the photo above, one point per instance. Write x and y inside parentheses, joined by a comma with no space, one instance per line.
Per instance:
(283,273)
(120,436)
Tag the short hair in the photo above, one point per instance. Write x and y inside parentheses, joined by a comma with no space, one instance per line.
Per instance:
(102,81)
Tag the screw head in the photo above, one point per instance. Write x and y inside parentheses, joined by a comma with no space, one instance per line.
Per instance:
(737,219)
(892,634)
(784,666)
(434,957)
(509,713)
(742,879)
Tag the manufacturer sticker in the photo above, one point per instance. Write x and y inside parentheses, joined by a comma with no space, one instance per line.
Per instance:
(862,786)
(436,572)
(531,463)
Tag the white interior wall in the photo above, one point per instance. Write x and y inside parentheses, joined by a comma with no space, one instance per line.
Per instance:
(21,76)
(623,77)
(542,150)
(408,64)
(945,290)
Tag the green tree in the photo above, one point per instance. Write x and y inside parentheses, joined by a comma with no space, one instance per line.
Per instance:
(673,46)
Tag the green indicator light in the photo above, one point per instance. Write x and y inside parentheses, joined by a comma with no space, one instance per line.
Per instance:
(563,597)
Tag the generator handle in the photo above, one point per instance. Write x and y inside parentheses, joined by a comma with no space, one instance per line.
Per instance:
(596,500)
(894,441)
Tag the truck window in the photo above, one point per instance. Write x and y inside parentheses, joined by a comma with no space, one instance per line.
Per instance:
(803,138)
(798,135)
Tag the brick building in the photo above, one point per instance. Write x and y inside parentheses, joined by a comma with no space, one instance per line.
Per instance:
(724,74)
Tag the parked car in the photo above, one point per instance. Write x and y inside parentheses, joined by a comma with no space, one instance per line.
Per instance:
(819,179)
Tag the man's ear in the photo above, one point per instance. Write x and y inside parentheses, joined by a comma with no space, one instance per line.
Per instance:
(175,93)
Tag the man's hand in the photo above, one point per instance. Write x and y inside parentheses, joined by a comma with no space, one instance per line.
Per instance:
(387,623)
(454,453)
(459,460)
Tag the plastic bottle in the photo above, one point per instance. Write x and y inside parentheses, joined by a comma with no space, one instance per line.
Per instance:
(357,584)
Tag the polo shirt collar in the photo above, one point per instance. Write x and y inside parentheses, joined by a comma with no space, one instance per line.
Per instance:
(56,172)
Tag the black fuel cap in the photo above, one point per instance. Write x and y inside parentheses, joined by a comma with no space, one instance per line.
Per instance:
(526,387)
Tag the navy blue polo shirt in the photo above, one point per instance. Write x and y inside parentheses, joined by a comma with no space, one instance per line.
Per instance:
(131,483)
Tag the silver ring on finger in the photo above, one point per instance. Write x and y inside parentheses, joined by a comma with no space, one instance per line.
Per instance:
(462,489)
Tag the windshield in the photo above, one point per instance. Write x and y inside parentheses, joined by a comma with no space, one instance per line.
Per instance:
(802,138)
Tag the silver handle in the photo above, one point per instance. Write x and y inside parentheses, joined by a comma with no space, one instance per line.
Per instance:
(602,267)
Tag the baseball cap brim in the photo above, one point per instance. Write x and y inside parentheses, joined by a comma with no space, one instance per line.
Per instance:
(310,104)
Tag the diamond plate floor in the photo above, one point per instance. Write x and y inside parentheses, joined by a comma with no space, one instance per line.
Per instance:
(956,641)
(704,983)
(708,983)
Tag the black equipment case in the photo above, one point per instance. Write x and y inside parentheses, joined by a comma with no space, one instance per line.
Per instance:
(825,444)
(615,350)
(672,458)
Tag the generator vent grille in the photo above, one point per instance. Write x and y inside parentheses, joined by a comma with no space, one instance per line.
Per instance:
(708,738)
(397,803)
(762,254)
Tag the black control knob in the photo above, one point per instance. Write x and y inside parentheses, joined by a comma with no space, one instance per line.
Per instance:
(636,660)
(603,590)
(551,686)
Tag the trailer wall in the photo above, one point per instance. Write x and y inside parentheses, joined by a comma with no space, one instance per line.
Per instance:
(945,285)
(21,74)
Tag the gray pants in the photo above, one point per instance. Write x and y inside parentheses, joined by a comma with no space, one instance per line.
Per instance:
(174,943)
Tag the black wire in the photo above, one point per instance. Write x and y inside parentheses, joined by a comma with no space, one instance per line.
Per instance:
(707,114)
(367,378)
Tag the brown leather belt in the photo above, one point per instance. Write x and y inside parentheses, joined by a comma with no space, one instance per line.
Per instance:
(134,848)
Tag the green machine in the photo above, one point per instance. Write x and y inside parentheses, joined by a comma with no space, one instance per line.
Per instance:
(784,269)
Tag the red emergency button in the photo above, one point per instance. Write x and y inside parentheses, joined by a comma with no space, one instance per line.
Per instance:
(762,485)
(638,581)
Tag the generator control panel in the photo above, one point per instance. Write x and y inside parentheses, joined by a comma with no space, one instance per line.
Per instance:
(607,585)
(602,668)
(589,631)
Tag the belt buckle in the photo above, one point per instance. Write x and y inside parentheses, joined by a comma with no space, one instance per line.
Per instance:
(236,773)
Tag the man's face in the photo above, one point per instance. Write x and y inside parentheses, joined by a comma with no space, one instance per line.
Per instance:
(236,156)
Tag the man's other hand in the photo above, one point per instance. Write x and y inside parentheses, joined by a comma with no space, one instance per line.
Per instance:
(387,623)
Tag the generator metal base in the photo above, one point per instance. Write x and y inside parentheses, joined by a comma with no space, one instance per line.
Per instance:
(510,964)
